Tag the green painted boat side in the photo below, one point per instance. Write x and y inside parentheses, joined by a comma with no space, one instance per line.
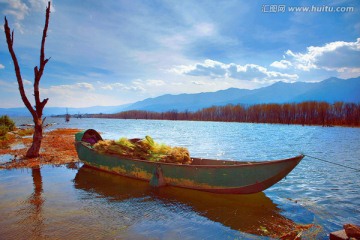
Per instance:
(203,174)
(79,136)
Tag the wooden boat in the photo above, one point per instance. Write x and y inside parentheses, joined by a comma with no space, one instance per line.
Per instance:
(219,176)
(67,116)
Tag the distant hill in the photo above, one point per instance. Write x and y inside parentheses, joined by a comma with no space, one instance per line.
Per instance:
(329,90)
(189,102)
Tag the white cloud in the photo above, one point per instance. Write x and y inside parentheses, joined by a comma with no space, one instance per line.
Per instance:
(182,69)
(107,87)
(77,95)
(340,56)
(258,73)
(65,89)
(250,72)
(2,66)
(20,10)
(134,86)
(84,85)
(177,40)
(41,5)
(209,68)
(26,82)
(199,82)
(155,82)
(137,85)
(283,64)
(16,8)
(204,29)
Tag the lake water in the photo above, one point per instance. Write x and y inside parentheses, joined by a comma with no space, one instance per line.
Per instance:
(74,202)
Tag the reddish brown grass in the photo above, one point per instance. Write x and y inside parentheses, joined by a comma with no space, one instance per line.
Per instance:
(57,148)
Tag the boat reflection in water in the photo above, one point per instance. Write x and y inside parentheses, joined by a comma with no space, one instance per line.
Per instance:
(253,213)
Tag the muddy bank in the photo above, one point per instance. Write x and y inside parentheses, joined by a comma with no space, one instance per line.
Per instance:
(57,148)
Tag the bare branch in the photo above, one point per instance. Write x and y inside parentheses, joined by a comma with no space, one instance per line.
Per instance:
(43,61)
(46,60)
(36,70)
(10,40)
(40,106)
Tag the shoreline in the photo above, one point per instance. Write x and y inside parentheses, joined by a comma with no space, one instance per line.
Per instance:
(303,113)
(220,121)
(57,147)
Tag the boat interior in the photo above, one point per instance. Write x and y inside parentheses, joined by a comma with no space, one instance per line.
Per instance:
(91,137)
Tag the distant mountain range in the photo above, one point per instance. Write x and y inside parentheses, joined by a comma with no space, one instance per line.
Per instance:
(329,90)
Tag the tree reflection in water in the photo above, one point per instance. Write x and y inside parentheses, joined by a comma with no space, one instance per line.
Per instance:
(36,202)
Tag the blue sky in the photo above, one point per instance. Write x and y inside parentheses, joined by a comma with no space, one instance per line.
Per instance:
(116,52)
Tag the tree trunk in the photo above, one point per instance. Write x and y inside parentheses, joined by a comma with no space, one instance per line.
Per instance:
(34,150)
(37,111)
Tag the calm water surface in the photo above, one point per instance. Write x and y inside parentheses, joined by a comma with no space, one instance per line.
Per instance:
(80,203)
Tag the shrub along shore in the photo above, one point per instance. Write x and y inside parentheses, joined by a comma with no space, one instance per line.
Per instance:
(305,113)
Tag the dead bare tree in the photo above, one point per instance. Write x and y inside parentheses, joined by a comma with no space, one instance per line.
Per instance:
(37,110)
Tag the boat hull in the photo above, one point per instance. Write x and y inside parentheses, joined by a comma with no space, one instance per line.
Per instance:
(205,175)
